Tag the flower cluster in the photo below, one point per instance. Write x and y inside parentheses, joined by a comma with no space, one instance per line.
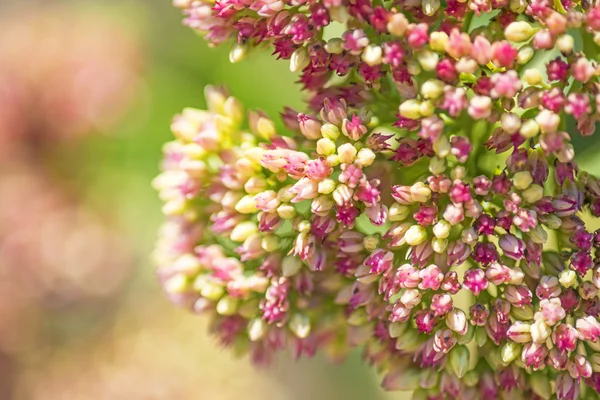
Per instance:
(427,205)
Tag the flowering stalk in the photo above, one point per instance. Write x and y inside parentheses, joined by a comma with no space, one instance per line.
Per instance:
(376,214)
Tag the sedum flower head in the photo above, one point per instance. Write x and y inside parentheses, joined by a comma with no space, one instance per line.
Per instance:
(426,206)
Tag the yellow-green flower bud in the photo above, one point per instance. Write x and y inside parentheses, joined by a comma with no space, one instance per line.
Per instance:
(300,325)
(299,60)
(519,31)
(326,186)
(415,235)
(227,306)
(432,89)
(242,231)
(410,109)
(246,205)
(330,131)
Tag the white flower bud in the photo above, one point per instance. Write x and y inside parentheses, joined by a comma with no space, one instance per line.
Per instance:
(428,60)
(540,331)
(347,153)
(300,325)
(565,43)
(365,157)
(397,24)
(237,53)
(567,278)
(441,230)
(257,328)
(372,55)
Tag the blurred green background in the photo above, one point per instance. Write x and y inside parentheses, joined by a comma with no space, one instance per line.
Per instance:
(97,326)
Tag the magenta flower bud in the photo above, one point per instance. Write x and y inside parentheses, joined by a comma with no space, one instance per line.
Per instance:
(400,313)
(534,355)
(510,378)
(431,278)
(421,254)
(334,111)
(351,242)
(503,54)
(548,287)
(579,367)
(426,216)
(354,128)
(496,330)
(506,85)
(407,276)
(518,296)
(380,261)
(512,246)
(567,388)
(588,328)
(304,189)
(418,35)
(425,321)
(450,283)
(309,126)
(475,281)
(478,314)
(482,185)
(581,262)
(498,274)
(393,53)
(485,224)
(441,303)
(578,105)
(557,70)
(458,252)
(552,311)
(443,341)
(485,253)
(520,332)
(402,194)
(431,128)
(488,388)
(558,359)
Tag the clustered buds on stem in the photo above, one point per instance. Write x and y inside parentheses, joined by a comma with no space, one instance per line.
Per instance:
(426,206)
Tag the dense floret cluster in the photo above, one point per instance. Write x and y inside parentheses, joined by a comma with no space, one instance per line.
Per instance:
(427,204)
